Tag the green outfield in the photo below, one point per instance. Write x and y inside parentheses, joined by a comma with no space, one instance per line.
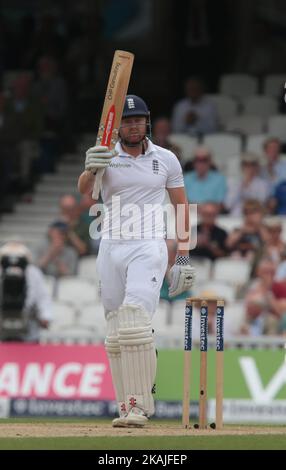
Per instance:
(49,434)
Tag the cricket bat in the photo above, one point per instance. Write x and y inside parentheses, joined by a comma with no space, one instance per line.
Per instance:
(113,107)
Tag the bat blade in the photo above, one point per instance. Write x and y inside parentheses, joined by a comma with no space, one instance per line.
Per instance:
(113,106)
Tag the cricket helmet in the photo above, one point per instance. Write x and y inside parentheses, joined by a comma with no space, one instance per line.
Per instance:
(135,106)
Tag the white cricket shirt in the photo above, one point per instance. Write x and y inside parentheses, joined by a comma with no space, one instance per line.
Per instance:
(133,192)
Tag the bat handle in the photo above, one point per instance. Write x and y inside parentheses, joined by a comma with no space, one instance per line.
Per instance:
(97,183)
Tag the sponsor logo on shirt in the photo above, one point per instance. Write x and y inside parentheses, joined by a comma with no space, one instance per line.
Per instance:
(120,165)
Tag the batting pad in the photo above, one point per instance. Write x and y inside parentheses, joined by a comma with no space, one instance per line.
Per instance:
(138,357)
(114,355)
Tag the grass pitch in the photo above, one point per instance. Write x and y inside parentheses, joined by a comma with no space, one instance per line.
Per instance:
(78,434)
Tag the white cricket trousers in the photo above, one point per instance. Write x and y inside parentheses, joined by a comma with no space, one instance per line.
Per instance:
(131,272)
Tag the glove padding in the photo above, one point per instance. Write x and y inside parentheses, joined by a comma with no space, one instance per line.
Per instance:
(98,157)
(182,276)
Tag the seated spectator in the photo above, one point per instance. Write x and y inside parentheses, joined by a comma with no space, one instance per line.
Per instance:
(204,184)
(247,240)
(274,169)
(251,186)
(210,238)
(274,247)
(277,202)
(264,311)
(55,256)
(23,291)
(164,293)
(161,130)
(78,229)
(196,113)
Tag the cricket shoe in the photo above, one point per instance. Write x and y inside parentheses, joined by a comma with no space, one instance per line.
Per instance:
(120,422)
(136,417)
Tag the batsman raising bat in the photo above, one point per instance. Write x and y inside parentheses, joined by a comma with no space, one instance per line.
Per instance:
(131,269)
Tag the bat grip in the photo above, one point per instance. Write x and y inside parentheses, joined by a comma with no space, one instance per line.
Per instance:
(97,184)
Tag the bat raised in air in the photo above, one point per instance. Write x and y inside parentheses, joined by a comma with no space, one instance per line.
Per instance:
(113,107)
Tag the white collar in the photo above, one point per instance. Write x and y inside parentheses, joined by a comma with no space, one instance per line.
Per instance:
(150,148)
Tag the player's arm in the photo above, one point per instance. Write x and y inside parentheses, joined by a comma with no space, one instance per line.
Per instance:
(86,182)
(182,272)
(179,200)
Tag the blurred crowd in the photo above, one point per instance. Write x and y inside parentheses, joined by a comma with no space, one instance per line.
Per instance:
(44,100)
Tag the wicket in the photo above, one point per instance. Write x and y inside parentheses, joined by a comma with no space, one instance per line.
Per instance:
(203,361)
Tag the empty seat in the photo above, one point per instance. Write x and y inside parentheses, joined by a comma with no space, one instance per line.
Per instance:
(186,143)
(218,289)
(92,316)
(63,316)
(228,223)
(238,85)
(203,268)
(233,271)
(254,143)
(223,146)
(161,318)
(277,126)
(77,292)
(273,85)
(50,282)
(87,268)
(226,106)
(263,106)
(246,124)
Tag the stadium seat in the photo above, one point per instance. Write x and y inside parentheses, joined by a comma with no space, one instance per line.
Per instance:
(223,146)
(87,268)
(262,106)
(63,316)
(233,271)
(76,292)
(254,143)
(186,143)
(277,126)
(215,288)
(161,318)
(246,124)
(234,317)
(273,85)
(238,85)
(226,107)
(91,316)
(228,223)
(203,268)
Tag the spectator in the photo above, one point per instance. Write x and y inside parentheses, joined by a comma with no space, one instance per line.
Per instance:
(264,311)
(277,203)
(23,291)
(205,184)
(55,256)
(274,169)
(51,90)
(85,205)
(195,114)
(274,247)
(248,240)
(78,229)
(252,186)
(210,238)
(161,131)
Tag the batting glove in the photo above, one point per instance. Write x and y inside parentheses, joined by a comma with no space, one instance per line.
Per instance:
(182,276)
(98,157)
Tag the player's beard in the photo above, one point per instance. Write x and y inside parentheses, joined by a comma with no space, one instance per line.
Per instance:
(131,143)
